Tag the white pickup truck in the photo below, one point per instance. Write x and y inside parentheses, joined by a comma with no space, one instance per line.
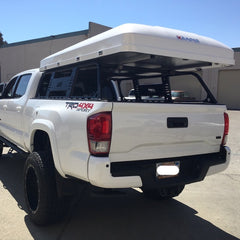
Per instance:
(126,108)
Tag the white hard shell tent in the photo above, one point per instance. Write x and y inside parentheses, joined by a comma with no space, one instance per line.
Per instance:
(153,46)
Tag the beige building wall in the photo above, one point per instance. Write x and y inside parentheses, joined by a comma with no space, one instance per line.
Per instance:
(229,84)
(229,88)
(21,56)
(224,83)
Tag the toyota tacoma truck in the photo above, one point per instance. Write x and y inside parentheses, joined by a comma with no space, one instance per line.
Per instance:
(104,112)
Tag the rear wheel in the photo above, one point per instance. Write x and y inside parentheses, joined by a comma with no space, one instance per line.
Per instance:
(164,192)
(40,190)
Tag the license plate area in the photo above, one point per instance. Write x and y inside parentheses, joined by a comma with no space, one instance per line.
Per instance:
(167,169)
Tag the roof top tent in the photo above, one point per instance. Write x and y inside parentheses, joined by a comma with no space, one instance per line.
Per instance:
(140,53)
(145,46)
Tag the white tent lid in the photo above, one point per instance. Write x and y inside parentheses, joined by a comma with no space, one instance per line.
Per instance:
(151,40)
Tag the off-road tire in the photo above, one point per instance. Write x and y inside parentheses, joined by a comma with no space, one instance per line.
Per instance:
(163,193)
(40,190)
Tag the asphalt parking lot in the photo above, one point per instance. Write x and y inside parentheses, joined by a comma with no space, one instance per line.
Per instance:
(205,210)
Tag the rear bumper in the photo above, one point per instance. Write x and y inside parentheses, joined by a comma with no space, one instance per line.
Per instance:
(99,174)
(220,167)
(104,174)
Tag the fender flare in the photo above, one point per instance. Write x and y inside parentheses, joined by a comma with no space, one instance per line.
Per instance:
(48,127)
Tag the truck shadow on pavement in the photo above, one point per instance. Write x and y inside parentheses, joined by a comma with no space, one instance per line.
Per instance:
(125,215)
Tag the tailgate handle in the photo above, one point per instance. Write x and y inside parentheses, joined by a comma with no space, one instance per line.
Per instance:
(177,122)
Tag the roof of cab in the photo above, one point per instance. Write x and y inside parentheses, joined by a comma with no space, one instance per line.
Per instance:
(149,40)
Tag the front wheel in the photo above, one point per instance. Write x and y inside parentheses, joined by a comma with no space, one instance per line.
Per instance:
(164,192)
(40,190)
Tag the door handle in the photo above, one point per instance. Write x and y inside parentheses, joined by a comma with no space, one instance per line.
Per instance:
(5,107)
(177,122)
(18,108)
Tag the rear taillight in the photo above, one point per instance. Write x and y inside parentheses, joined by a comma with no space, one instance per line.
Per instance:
(99,131)
(226,129)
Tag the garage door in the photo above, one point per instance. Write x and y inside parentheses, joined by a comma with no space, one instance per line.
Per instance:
(229,88)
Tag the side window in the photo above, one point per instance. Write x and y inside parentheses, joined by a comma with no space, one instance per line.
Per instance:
(9,91)
(60,84)
(85,84)
(16,88)
(22,85)
(55,85)
(43,86)
(77,82)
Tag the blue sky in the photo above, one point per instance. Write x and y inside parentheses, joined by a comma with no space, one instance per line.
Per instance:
(25,20)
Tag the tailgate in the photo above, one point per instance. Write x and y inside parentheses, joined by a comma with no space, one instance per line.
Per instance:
(144,131)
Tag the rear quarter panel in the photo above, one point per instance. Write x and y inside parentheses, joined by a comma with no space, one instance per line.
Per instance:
(66,124)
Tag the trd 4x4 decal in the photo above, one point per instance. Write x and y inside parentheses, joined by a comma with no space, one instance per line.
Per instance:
(82,106)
